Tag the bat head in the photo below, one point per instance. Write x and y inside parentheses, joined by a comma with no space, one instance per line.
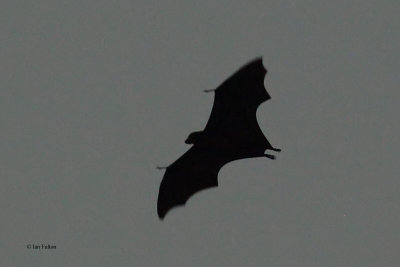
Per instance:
(194,137)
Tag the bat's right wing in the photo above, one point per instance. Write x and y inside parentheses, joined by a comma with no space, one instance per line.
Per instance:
(196,170)
(233,115)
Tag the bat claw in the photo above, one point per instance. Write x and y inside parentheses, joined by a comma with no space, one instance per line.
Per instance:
(160,168)
(270,156)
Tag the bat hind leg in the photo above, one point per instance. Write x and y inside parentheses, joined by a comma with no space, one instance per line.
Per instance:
(269,156)
(276,149)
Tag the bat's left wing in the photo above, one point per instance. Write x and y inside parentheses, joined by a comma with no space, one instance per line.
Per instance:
(194,171)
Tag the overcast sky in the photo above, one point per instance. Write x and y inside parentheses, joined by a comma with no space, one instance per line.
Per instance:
(95,94)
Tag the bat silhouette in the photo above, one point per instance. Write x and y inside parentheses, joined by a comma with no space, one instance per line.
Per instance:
(231,133)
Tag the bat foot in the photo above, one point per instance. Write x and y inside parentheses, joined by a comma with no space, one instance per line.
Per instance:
(276,149)
(209,90)
(269,156)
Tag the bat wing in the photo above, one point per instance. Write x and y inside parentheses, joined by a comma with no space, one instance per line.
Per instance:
(233,115)
(194,171)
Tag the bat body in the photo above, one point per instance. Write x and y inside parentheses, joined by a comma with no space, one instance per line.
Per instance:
(231,133)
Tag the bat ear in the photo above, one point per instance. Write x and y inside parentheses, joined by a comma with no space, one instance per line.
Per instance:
(194,137)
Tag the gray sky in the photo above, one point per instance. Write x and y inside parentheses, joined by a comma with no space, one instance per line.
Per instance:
(95,94)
